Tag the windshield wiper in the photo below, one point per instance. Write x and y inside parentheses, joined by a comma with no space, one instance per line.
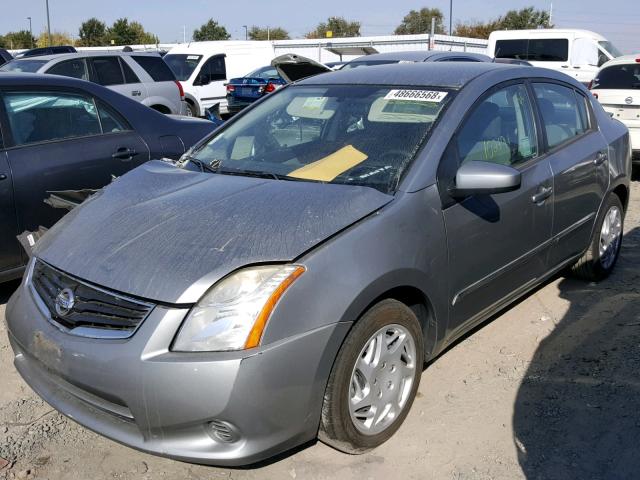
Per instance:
(204,166)
(261,174)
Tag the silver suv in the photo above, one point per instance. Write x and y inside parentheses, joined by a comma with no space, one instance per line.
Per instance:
(141,76)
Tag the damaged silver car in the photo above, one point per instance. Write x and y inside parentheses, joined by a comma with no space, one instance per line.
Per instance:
(290,279)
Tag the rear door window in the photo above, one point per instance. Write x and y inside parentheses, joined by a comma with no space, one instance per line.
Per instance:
(155,67)
(44,116)
(75,68)
(563,118)
(129,75)
(107,71)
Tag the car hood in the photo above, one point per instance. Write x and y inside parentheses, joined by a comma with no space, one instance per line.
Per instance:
(167,234)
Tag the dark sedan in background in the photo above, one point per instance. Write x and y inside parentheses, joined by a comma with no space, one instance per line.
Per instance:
(414,56)
(243,91)
(59,133)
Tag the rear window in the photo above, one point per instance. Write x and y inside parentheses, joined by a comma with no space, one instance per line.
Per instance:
(28,66)
(155,67)
(618,77)
(537,50)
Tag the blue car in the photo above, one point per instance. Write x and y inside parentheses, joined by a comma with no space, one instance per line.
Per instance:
(243,91)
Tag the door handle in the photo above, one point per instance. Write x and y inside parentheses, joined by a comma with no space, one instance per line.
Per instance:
(601,157)
(3,176)
(124,154)
(542,195)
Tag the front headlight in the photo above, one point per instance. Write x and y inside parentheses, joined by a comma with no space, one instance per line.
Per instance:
(233,313)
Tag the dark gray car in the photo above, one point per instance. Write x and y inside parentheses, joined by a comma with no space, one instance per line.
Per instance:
(292,278)
(414,56)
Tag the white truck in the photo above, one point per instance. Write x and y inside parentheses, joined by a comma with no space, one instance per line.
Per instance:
(203,68)
(578,53)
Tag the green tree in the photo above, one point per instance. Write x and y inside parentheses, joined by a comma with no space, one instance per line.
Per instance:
(419,21)
(57,38)
(338,26)
(476,29)
(2,42)
(524,19)
(124,33)
(93,33)
(275,33)
(211,30)
(18,40)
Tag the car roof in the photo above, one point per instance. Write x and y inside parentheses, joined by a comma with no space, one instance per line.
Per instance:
(417,56)
(446,74)
(93,53)
(624,59)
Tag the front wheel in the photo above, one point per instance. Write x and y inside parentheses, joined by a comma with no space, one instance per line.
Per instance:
(374,379)
(600,258)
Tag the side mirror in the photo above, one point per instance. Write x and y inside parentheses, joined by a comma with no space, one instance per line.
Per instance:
(487,178)
(202,79)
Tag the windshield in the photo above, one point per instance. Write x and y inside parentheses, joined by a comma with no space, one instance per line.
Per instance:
(28,66)
(347,134)
(366,63)
(618,77)
(610,48)
(182,65)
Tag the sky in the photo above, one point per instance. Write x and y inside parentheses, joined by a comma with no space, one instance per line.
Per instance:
(167,18)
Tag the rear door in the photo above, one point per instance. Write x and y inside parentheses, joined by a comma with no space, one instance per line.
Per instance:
(63,139)
(162,88)
(115,74)
(577,152)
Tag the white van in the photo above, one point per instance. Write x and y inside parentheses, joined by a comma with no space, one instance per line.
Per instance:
(203,68)
(578,53)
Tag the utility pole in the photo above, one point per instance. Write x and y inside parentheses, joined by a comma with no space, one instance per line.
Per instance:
(48,25)
(246,32)
(550,13)
(30,32)
(268,33)
(450,17)
(184,34)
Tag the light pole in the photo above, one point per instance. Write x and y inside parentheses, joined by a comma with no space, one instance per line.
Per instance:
(246,32)
(30,32)
(48,25)
(450,17)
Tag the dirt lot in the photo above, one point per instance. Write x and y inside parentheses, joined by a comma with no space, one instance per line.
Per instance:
(550,389)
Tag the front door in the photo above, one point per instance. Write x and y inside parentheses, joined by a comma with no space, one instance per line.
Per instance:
(63,140)
(210,81)
(10,256)
(498,244)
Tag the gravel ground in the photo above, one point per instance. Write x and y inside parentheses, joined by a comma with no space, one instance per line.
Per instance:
(547,390)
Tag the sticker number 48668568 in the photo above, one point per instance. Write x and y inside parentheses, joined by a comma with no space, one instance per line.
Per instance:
(416,95)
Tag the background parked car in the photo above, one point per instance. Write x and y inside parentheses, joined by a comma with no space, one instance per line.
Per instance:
(143,77)
(243,91)
(40,51)
(204,67)
(5,56)
(60,133)
(617,87)
(414,56)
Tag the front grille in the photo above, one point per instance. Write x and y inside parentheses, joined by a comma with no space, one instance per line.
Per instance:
(84,309)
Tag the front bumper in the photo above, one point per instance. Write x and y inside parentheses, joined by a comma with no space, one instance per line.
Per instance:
(634,135)
(139,393)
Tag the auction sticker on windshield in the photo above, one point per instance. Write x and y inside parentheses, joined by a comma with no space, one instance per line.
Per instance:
(416,95)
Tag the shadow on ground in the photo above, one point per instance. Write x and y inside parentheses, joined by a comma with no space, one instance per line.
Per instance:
(7,289)
(577,412)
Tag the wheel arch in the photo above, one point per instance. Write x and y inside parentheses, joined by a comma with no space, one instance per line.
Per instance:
(622,191)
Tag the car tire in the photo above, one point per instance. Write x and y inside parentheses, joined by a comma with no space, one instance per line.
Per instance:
(391,374)
(600,258)
(191,110)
